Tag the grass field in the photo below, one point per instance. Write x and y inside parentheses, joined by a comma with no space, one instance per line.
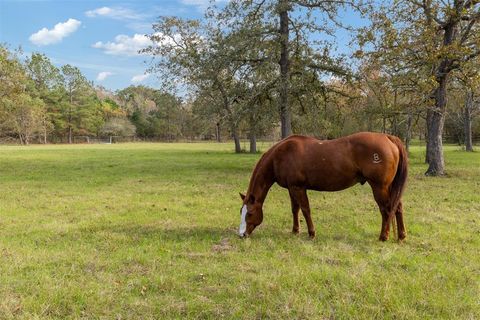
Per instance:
(148,231)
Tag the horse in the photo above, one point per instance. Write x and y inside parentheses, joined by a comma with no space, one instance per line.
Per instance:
(300,163)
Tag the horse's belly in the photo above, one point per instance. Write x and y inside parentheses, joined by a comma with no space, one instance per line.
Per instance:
(332,181)
(332,186)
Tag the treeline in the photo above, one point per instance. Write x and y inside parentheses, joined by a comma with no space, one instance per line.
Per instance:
(40,103)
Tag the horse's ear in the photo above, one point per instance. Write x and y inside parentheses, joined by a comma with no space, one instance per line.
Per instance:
(242,196)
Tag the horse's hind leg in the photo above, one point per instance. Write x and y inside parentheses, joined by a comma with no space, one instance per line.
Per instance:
(300,195)
(295,208)
(383,200)
(402,232)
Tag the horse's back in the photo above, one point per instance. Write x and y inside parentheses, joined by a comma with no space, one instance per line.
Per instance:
(315,164)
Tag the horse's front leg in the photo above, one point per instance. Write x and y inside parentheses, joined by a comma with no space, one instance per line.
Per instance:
(295,209)
(300,195)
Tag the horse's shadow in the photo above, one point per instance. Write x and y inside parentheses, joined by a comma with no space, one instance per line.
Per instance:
(149,232)
(199,236)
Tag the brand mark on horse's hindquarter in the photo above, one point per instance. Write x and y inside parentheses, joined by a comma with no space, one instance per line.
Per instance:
(376,158)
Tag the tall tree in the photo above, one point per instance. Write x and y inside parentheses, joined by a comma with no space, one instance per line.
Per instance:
(48,80)
(26,117)
(76,88)
(273,22)
(433,38)
(203,57)
(20,107)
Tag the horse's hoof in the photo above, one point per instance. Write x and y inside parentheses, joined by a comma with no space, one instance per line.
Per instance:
(383,238)
(295,231)
(311,234)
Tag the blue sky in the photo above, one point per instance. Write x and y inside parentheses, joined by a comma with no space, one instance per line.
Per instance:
(100,37)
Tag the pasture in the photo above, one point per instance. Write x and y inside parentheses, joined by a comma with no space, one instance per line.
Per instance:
(148,231)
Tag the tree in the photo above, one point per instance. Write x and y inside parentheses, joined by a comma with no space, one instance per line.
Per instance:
(26,117)
(270,23)
(20,107)
(199,56)
(433,38)
(48,80)
(118,127)
(80,108)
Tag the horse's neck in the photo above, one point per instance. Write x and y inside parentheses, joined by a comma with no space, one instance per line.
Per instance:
(262,179)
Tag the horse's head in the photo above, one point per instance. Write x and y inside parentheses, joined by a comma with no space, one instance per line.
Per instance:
(251,215)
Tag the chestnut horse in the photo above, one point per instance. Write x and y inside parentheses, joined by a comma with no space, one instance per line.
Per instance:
(300,163)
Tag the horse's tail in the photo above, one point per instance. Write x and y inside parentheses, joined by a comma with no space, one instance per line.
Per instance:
(400,179)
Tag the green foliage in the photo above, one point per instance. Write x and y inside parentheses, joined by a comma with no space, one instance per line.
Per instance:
(45,75)
(44,103)
(421,44)
(21,111)
(139,231)
(118,127)
(81,112)
(155,114)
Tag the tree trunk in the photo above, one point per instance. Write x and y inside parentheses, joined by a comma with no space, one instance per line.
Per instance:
(217,132)
(426,140)
(70,118)
(236,139)
(436,116)
(285,116)
(253,142)
(467,121)
(408,135)
(70,134)
(394,125)
(435,121)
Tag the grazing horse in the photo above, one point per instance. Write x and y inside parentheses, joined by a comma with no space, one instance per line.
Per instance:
(300,163)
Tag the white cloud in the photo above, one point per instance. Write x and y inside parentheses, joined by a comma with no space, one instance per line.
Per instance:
(114,13)
(103,75)
(140,78)
(61,30)
(124,45)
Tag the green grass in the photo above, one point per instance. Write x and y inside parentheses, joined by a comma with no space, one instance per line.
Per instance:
(148,231)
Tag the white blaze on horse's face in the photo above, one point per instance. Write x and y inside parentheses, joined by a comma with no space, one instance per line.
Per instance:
(243,221)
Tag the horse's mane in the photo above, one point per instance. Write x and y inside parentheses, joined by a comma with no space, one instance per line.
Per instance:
(262,162)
